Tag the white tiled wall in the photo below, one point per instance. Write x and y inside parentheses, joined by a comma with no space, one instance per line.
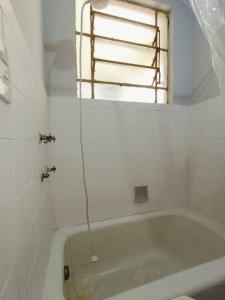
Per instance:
(126,144)
(25,212)
(207,158)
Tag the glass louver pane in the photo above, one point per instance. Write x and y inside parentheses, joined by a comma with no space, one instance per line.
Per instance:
(109,27)
(123,74)
(86,90)
(162,96)
(163,25)
(118,93)
(86,23)
(131,11)
(123,53)
(163,69)
(86,57)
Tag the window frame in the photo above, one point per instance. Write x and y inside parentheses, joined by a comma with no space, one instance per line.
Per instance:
(156,45)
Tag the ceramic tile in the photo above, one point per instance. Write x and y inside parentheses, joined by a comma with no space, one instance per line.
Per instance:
(23,199)
(125,144)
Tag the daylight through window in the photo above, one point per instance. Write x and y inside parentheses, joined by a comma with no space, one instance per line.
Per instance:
(125,52)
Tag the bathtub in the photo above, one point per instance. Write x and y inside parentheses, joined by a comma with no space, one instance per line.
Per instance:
(154,256)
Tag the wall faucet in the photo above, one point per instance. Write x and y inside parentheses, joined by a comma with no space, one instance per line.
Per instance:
(46,138)
(45,175)
(53,169)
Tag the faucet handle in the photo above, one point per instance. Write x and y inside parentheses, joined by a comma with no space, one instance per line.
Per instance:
(46,138)
(42,138)
(45,175)
(51,138)
(53,169)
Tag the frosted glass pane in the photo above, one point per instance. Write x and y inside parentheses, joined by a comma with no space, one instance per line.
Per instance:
(123,30)
(163,68)
(86,57)
(130,11)
(125,74)
(162,97)
(86,90)
(123,53)
(163,25)
(111,92)
(86,23)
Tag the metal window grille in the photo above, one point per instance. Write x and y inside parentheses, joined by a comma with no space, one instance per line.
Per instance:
(105,70)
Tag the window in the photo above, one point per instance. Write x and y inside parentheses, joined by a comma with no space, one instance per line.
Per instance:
(125,52)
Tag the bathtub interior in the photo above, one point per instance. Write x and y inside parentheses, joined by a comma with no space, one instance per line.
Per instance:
(135,253)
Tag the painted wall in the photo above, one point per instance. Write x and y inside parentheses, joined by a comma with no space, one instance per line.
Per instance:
(59,41)
(207,134)
(126,145)
(207,158)
(29,15)
(181,40)
(25,210)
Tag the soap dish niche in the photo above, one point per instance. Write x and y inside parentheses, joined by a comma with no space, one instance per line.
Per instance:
(141,194)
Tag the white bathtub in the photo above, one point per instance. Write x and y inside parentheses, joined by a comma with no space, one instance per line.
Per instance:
(166,254)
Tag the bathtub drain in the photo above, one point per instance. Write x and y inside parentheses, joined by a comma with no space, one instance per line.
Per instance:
(66,273)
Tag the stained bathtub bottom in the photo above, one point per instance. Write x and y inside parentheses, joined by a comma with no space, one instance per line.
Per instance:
(96,284)
(136,253)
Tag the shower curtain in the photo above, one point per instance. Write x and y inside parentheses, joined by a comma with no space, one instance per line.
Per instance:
(211,17)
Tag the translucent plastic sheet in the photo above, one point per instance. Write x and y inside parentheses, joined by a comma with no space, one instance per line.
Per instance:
(211,16)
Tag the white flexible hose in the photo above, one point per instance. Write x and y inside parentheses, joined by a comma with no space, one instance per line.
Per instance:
(93,256)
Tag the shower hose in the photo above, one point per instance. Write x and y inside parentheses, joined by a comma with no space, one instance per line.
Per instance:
(84,177)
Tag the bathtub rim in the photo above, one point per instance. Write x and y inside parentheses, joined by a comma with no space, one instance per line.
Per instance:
(182,283)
